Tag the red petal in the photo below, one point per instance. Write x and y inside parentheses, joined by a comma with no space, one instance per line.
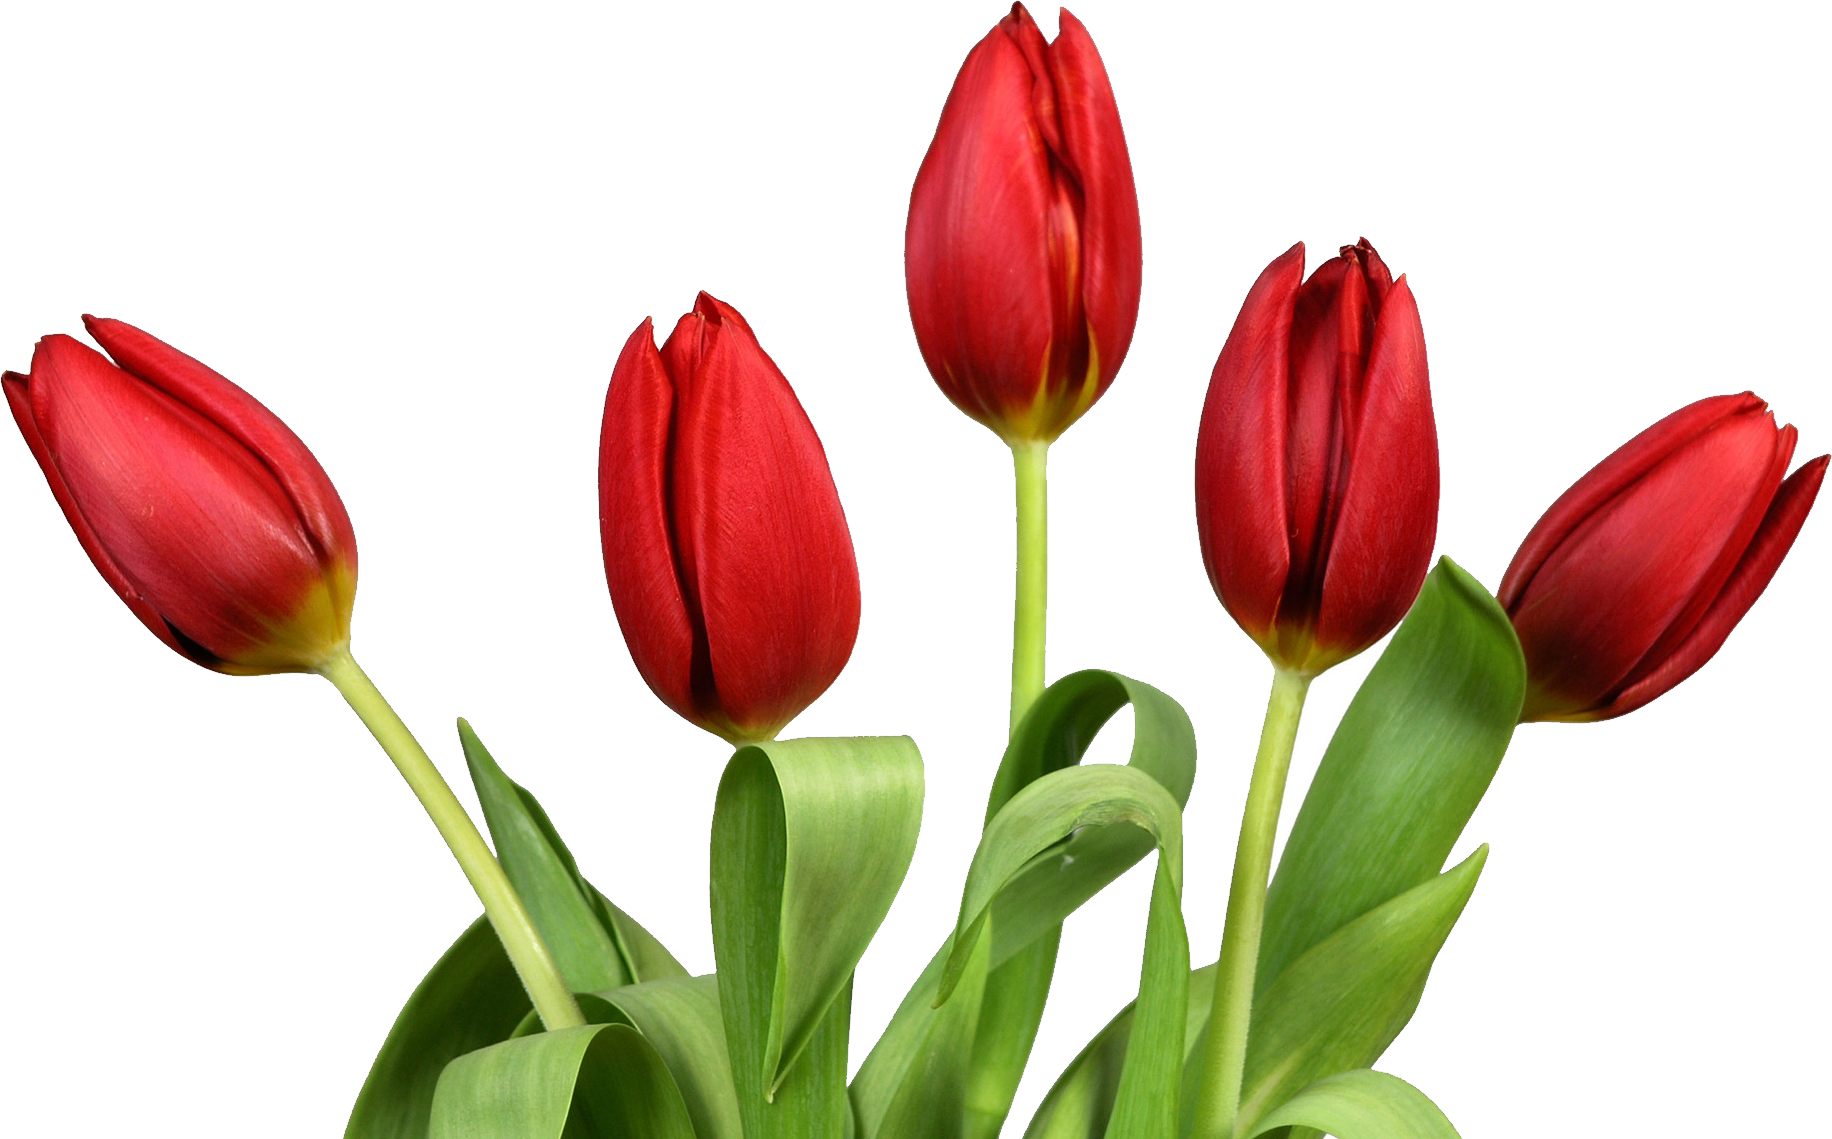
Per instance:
(1240,453)
(1780,525)
(1608,478)
(245,419)
(633,519)
(1380,278)
(1313,429)
(976,251)
(189,517)
(1627,572)
(1094,150)
(1380,549)
(773,560)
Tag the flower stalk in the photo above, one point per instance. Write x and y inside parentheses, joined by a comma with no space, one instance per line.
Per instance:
(1028,616)
(533,961)
(1225,1056)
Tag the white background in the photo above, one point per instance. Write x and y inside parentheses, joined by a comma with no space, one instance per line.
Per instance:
(420,234)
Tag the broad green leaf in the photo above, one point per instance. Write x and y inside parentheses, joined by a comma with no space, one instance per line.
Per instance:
(588,936)
(1009,1013)
(1411,759)
(1361,1104)
(680,1018)
(1146,1104)
(1025,834)
(1031,824)
(811,839)
(1027,915)
(1080,1104)
(1063,722)
(942,1072)
(470,998)
(601,1081)
(1338,1007)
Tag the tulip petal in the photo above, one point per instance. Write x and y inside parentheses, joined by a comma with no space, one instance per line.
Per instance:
(1780,525)
(1609,478)
(1625,574)
(1240,453)
(18,398)
(1380,548)
(976,250)
(1380,278)
(773,563)
(635,524)
(244,419)
(1314,425)
(192,520)
(1094,150)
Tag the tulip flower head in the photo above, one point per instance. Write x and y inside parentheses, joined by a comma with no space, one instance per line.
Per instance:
(1317,460)
(729,562)
(1637,574)
(206,514)
(1022,251)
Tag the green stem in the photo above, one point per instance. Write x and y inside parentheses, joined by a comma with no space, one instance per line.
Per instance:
(1027,624)
(1225,1057)
(533,962)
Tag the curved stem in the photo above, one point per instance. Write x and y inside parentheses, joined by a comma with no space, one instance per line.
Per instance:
(1027,626)
(533,962)
(1224,1059)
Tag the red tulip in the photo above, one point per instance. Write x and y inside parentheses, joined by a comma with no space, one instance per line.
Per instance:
(1635,577)
(729,562)
(1022,252)
(204,512)
(1317,460)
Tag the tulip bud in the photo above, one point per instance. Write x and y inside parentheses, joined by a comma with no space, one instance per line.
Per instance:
(1637,574)
(1022,252)
(727,553)
(1317,460)
(204,512)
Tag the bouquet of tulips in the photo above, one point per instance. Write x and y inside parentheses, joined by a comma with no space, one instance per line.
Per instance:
(731,571)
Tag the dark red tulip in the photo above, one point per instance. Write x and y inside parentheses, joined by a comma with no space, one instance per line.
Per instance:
(1022,252)
(204,512)
(1317,461)
(729,562)
(1635,577)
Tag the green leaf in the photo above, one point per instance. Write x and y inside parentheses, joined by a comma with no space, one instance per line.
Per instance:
(1063,722)
(1361,1104)
(1009,1014)
(601,1081)
(680,1018)
(1080,1104)
(811,839)
(1338,1007)
(596,945)
(941,1073)
(469,999)
(1024,836)
(1411,759)
(1027,915)
(1031,825)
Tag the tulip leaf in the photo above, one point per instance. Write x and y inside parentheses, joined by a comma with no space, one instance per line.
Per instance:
(1336,1008)
(940,1073)
(1080,1104)
(600,1081)
(810,841)
(470,998)
(1028,913)
(596,945)
(1411,759)
(679,1017)
(1024,837)
(1360,1104)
